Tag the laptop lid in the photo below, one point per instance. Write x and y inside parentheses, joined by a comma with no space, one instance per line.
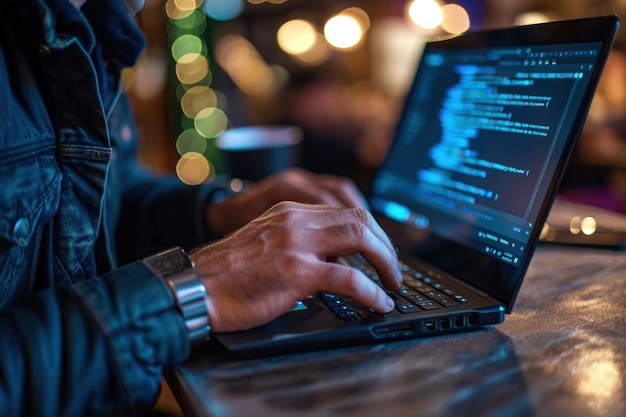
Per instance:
(487,129)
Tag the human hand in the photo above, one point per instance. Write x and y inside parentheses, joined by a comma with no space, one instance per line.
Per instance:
(294,184)
(259,272)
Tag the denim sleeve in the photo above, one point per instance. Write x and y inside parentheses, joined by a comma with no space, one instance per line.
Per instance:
(91,349)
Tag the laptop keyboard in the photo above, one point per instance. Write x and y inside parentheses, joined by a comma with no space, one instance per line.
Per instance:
(419,292)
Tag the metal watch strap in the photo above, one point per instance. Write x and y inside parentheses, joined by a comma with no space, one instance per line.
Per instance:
(178,271)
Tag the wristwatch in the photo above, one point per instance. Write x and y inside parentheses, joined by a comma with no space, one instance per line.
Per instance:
(178,271)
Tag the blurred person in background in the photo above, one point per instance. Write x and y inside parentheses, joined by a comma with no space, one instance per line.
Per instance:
(82,335)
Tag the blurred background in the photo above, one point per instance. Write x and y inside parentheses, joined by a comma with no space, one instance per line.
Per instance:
(339,70)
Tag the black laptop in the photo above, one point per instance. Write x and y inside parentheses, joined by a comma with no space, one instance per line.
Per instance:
(486,132)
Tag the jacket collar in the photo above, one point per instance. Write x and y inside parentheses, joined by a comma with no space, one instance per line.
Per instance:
(105,22)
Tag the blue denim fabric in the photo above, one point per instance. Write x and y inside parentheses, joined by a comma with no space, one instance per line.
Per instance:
(90,349)
(73,343)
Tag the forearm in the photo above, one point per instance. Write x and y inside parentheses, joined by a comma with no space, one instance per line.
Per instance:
(90,349)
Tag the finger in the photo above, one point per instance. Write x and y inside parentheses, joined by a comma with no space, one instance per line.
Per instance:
(336,216)
(378,252)
(351,231)
(329,231)
(343,280)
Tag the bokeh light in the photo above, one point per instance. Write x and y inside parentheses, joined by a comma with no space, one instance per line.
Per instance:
(197,98)
(192,68)
(302,41)
(245,66)
(193,168)
(531,18)
(588,225)
(223,10)
(236,185)
(426,14)
(455,19)
(359,15)
(203,108)
(187,44)
(574,225)
(194,21)
(296,36)
(343,31)
(210,122)
(174,11)
(187,5)
(191,141)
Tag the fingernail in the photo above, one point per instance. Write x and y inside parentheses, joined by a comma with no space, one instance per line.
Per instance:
(390,304)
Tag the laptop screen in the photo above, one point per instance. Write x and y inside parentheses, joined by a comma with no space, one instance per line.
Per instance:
(487,128)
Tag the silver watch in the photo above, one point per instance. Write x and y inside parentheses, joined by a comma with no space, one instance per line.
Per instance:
(178,271)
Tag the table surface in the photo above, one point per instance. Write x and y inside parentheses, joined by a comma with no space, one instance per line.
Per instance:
(562,352)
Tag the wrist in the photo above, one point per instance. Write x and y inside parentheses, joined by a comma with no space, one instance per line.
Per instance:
(215,217)
(208,262)
(178,272)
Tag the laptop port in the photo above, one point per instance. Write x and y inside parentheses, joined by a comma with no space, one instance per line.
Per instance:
(471,320)
(445,324)
(458,321)
(392,332)
(430,326)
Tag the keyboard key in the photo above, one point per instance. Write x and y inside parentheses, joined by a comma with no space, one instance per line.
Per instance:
(334,302)
(328,296)
(416,298)
(408,308)
(340,308)
(406,290)
(433,294)
(429,305)
(420,291)
(460,298)
(349,316)
(447,302)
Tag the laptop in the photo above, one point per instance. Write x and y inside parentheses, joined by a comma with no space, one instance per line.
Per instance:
(485,134)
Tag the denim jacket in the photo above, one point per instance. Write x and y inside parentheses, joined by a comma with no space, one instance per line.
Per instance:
(80,335)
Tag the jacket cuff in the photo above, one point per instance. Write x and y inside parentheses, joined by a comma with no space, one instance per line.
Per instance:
(220,188)
(145,333)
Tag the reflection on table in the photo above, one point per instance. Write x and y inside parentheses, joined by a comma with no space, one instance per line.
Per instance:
(561,353)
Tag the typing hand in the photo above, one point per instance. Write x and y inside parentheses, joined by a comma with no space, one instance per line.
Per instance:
(294,184)
(257,273)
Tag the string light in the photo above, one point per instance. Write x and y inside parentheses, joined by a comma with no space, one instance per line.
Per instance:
(202,115)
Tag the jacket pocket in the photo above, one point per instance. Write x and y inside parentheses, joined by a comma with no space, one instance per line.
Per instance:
(29,195)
